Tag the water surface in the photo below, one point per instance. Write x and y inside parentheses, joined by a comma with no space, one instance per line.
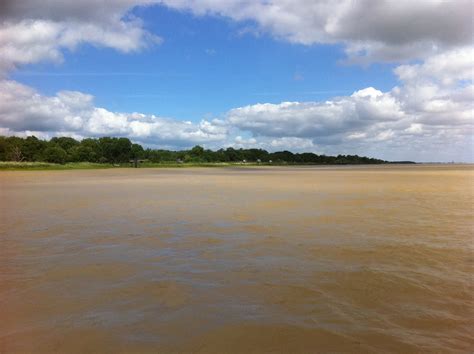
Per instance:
(351,259)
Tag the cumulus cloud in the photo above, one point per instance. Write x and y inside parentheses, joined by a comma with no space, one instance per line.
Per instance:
(429,114)
(432,107)
(25,111)
(318,119)
(370,30)
(446,68)
(30,32)
(440,90)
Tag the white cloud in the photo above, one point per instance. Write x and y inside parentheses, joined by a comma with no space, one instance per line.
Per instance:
(274,144)
(429,111)
(440,90)
(414,128)
(445,69)
(74,114)
(318,119)
(425,117)
(292,143)
(370,30)
(32,32)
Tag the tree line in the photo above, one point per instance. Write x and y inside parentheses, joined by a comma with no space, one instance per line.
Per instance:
(121,150)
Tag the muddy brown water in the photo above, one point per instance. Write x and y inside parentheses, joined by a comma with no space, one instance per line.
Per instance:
(350,259)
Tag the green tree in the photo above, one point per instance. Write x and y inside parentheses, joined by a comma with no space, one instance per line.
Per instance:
(232,155)
(197,151)
(82,153)
(66,143)
(3,148)
(55,154)
(32,148)
(115,149)
(137,152)
(93,147)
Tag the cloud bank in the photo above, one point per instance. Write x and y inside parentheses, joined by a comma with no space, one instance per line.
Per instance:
(370,31)
(383,30)
(429,114)
(24,112)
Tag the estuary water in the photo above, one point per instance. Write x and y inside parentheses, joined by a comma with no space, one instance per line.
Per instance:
(238,260)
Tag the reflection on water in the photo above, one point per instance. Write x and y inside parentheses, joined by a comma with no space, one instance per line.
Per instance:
(237,260)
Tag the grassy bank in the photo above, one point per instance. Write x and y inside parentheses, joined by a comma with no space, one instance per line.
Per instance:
(22,166)
(38,166)
(15,166)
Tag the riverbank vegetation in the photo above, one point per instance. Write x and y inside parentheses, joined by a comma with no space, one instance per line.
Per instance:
(67,152)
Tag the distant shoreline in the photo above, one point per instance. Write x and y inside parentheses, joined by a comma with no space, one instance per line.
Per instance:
(45,166)
(119,151)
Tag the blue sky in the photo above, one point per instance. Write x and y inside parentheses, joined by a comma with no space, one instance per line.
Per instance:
(391,80)
(210,64)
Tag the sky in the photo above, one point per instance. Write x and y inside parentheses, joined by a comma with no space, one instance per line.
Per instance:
(387,79)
